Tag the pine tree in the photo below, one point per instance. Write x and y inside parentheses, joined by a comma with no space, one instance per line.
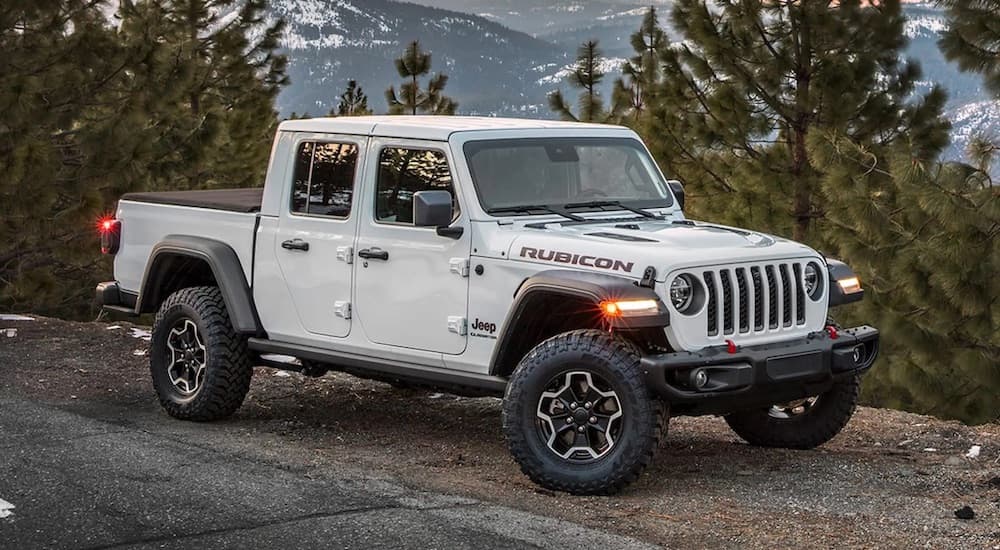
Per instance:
(973,38)
(411,98)
(587,76)
(177,97)
(641,73)
(353,102)
(751,80)
(216,72)
(59,72)
(925,239)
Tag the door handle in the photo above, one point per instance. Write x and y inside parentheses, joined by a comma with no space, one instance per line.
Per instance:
(295,244)
(373,254)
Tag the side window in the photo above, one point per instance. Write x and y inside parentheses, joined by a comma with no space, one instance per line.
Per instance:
(323,182)
(403,172)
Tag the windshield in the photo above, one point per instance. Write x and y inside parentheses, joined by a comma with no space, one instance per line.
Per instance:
(571,173)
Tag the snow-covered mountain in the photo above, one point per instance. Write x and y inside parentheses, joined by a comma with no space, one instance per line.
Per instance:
(971,108)
(492,69)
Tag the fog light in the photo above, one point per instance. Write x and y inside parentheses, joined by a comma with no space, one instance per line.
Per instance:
(699,378)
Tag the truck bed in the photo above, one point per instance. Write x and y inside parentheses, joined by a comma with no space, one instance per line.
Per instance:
(225,215)
(231,200)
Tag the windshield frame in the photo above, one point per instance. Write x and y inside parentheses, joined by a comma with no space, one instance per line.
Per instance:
(469,148)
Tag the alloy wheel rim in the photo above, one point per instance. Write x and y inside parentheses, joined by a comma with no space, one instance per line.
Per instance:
(188,357)
(579,416)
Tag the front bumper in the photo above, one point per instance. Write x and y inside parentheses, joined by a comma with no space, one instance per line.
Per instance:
(715,381)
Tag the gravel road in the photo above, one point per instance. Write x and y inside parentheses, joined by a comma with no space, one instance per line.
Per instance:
(436,465)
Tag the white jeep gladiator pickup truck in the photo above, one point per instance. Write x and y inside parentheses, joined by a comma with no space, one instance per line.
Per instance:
(548,263)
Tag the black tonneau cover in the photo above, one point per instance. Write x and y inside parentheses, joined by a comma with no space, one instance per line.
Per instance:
(232,200)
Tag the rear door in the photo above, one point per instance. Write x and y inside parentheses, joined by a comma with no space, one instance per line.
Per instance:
(316,231)
(412,289)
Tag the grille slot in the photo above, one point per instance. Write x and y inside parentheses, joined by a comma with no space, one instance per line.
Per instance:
(800,295)
(786,293)
(713,305)
(727,301)
(754,299)
(772,293)
(741,284)
(758,298)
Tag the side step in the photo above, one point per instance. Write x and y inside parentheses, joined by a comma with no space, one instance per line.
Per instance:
(460,383)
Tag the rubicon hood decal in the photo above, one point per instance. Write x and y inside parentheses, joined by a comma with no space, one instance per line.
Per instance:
(610,264)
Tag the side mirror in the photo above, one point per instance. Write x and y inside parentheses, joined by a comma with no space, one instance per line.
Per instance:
(678,190)
(432,208)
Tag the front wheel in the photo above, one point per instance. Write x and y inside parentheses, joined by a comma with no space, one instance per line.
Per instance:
(578,416)
(802,424)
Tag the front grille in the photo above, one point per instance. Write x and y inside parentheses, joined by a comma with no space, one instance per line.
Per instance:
(745,300)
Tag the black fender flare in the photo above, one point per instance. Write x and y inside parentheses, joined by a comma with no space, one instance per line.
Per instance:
(839,270)
(591,287)
(225,266)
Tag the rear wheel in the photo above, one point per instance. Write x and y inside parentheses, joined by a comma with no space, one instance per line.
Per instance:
(577,414)
(801,424)
(200,366)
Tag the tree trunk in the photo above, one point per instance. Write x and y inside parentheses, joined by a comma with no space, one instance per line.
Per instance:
(413,99)
(802,200)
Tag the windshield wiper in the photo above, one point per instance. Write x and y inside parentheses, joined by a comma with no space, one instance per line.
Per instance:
(617,204)
(528,208)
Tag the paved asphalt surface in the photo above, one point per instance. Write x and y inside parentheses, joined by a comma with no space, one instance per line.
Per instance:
(100,477)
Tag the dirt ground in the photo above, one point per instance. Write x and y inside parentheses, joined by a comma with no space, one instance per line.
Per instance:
(891,479)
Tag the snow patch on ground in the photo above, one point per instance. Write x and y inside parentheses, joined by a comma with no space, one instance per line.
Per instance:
(277,358)
(5,508)
(15,317)
(141,334)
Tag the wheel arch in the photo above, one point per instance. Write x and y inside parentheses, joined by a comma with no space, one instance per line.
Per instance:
(570,300)
(180,261)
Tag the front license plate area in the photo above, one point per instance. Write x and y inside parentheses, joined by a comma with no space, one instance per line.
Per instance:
(795,366)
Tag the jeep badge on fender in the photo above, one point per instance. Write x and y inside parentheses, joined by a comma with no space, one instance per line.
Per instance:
(597,306)
(484,327)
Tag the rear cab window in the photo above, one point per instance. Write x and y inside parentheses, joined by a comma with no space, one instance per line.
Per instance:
(323,180)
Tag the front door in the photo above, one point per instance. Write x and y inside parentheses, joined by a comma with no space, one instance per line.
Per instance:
(316,232)
(412,288)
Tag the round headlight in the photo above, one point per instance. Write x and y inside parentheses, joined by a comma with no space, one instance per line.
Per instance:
(681,292)
(811,280)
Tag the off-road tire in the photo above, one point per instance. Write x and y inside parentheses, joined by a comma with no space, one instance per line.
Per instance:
(228,366)
(814,427)
(644,417)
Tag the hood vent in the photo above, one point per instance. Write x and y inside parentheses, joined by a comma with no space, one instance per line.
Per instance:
(620,237)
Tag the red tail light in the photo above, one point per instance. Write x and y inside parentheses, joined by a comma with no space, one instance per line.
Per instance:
(111,235)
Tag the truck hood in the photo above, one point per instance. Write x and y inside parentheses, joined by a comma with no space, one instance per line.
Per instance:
(628,247)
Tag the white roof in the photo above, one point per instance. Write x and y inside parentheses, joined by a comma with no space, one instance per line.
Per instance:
(438,128)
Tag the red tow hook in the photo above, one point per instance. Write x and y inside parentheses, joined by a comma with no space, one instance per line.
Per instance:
(730,346)
(832,331)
